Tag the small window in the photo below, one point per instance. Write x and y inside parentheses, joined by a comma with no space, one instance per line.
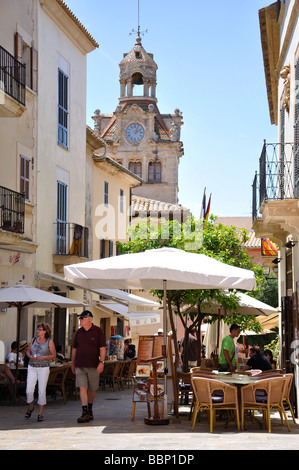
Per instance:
(154,172)
(61,218)
(25,176)
(62,109)
(28,55)
(106,248)
(106,187)
(121,201)
(136,168)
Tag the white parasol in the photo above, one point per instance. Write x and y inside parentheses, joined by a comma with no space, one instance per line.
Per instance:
(21,296)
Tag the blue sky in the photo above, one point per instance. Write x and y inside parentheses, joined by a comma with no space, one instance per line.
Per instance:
(210,66)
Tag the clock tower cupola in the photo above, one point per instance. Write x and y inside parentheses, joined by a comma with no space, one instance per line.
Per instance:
(137,74)
(137,135)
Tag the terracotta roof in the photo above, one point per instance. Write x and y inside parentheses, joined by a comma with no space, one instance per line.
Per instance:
(78,23)
(143,204)
(253,242)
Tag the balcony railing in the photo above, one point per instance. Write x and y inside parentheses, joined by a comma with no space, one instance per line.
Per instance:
(12,210)
(278,175)
(71,239)
(12,76)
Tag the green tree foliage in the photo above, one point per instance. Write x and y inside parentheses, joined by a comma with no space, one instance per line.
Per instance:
(225,243)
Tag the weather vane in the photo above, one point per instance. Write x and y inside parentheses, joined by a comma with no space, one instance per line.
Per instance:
(138,30)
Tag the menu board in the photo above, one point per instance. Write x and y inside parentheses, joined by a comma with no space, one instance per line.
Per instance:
(149,347)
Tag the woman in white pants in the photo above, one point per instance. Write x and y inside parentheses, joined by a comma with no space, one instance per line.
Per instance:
(40,352)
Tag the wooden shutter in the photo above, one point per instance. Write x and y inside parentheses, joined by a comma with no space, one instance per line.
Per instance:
(110,248)
(19,47)
(102,248)
(34,69)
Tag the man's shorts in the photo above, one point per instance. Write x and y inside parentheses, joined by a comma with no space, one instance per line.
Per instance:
(87,377)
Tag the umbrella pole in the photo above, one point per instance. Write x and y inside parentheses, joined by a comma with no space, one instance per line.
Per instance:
(165,340)
(19,308)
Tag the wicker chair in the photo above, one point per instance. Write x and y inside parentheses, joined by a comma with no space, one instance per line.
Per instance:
(56,381)
(212,395)
(264,396)
(287,391)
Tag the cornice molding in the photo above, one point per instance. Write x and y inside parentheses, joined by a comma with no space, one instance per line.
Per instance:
(64,18)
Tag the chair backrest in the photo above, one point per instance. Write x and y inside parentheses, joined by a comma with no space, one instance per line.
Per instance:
(230,392)
(248,391)
(205,387)
(118,368)
(200,389)
(57,375)
(132,367)
(288,385)
(273,387)
(276,390)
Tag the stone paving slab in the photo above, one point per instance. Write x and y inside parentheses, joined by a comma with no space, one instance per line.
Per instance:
(112,429)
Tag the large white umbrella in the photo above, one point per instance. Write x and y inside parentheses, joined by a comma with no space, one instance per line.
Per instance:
(162,268)
(148,269)
(247,306)
(21,296)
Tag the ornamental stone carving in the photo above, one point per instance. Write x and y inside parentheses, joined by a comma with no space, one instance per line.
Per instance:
(286,76)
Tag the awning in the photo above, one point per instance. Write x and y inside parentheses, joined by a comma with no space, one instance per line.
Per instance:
(134,303)
(135,318)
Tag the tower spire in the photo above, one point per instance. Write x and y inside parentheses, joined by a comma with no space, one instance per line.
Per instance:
(139,33)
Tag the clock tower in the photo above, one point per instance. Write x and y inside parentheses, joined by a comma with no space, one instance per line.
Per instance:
(138,136)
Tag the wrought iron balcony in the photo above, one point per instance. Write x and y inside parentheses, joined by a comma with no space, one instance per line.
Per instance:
(71,239)
(12,210)
(278,176)
(12,76)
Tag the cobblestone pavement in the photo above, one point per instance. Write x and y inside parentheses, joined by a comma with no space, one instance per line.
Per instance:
(112,429)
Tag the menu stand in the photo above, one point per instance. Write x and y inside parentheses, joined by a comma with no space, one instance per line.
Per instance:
(156,419)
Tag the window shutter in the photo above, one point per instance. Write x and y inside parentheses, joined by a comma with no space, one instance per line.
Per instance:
(34,69)
(102,248)
(62,109)
(110,248)
(19,47)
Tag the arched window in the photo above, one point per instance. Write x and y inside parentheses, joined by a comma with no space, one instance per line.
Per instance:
(136,168)
(154,172)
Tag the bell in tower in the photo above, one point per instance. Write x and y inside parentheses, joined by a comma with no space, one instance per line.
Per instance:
(137,74)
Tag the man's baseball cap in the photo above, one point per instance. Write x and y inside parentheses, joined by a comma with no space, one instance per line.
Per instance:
(84,314)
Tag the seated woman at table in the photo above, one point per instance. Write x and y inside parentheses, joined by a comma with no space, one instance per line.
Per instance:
(257,360)
(269,355)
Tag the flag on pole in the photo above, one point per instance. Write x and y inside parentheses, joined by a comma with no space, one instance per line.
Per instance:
(205,211)
(203,206)
(208,209)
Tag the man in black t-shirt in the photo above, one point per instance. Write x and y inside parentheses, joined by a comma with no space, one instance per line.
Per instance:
(257,360)
(88,356)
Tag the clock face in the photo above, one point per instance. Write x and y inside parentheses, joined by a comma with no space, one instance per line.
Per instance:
(134,132)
